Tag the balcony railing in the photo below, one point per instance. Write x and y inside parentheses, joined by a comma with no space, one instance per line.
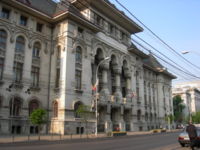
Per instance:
(19,57)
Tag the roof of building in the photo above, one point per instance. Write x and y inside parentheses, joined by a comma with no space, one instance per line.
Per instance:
(152,62)
(48,7)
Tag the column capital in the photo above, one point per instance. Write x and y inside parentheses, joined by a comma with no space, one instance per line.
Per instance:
(105,66)
(127,73)
(117,70)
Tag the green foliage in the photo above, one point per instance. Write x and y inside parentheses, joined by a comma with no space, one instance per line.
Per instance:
(84,112)
(170,117)
(38,117)
(178,108)
(196,117)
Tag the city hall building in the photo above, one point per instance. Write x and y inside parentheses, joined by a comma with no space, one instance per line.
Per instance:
(51,56)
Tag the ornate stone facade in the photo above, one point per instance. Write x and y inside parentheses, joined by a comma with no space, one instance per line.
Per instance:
(50,61)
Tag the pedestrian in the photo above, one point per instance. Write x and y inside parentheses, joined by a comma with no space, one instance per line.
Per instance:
(192,132)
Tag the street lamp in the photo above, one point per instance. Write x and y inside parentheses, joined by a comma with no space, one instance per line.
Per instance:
(186,52)
(96,91)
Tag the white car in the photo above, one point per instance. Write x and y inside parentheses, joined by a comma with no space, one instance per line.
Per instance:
(184,139)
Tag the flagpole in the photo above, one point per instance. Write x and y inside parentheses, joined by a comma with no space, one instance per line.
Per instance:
(96,92)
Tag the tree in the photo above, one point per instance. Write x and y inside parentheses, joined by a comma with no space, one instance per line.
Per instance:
(38,117)
(85,114)
(178,108)
(196,117)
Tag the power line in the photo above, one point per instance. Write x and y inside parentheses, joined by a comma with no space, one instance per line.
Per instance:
(165,60)
(160,52)
(157,51)
(169,47)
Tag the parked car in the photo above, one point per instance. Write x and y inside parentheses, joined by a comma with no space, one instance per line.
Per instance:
(184,140)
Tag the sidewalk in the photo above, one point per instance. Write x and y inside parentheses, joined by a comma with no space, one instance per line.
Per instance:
(6,139)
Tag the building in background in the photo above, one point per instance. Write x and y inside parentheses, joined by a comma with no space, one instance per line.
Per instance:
(49,54)
(190,93)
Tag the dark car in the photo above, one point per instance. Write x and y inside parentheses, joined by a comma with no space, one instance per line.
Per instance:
(184,140)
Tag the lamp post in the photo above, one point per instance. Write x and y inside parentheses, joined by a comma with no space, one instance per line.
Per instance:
(186,52)
(169,122)
(96,91)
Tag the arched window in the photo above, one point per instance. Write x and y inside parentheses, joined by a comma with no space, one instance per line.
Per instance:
(36,50)
(20,44)
(76,107)
(78,70)
(3,39)
(33,105)
(55,109)
(15,106)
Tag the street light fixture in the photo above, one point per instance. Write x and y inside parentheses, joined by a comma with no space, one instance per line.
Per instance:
(96,92)
(186,52)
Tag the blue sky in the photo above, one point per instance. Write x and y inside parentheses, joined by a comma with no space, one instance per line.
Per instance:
(177,22)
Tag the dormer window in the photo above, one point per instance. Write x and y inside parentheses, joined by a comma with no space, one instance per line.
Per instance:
(80,32)
(39,27)
(23,20)
(5,13)
(112,29)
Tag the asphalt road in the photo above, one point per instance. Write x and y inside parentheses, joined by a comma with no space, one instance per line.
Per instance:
(163,141)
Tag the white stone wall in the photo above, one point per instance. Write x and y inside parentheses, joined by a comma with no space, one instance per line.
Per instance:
(65,34)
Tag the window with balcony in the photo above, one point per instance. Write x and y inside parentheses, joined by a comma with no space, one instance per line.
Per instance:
(35,73)
(18,71)
(23,20)
(5,13)
(36,50)
(20,45)
(3,39)
(78,79)
(15,107)
(78,67)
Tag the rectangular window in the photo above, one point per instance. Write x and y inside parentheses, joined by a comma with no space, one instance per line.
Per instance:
(39,27)
(5,13)
(80,32)
(57,77)
(78,79)
(138,93)
(1,68)
(23,20)
(35,72)
(18,70)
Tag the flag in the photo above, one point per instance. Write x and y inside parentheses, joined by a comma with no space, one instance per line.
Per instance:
(94,87)
(133,95)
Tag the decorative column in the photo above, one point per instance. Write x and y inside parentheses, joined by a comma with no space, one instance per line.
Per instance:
(118,94)
(108,122)
(128,85)
(104,93)
(121,121)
